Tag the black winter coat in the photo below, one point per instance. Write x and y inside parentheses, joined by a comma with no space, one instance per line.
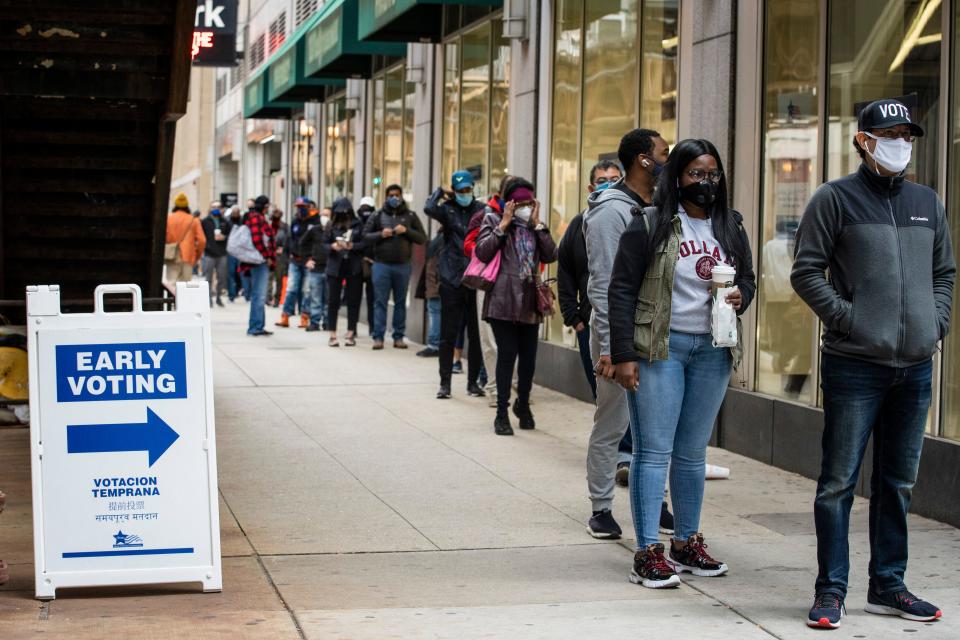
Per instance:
(455,220)
(573,274)
(341,264)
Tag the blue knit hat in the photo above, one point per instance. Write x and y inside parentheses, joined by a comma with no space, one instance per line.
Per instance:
(461,179)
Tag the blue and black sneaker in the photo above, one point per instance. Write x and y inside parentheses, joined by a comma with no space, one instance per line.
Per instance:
(826,611)
(903,604)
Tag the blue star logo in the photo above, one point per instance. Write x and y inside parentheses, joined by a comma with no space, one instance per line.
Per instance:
(120,537)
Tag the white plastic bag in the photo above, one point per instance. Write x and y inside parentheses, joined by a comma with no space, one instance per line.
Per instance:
(240,246)
(723,319)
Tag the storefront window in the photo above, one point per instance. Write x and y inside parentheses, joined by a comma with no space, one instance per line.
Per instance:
(393,125)
(787,329)
(884,49)
(950,415)
(476,105)
(599,83)
(451,106)
(339,157)
(376,151)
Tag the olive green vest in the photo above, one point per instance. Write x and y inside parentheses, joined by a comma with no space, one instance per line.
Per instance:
(651,319)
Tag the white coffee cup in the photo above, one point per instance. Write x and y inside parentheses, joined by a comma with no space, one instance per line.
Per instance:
(723,276)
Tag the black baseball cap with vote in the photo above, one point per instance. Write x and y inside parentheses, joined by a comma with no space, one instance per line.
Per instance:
(888,112)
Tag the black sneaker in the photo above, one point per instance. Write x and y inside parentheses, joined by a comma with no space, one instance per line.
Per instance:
(826,611)
(501,426)
(903,604)
(219,302)
(623,474)
(603,527)
(457,367)
(652,570)
(694,559)
(475,390)
(524,414)
(666,520)
(429,352)
(444,392)
(313,326)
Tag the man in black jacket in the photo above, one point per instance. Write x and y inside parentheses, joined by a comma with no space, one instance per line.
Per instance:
(572,271)
(453,210)
(216,230)
(392,231)
(884,308)
(297,273)
(315,254)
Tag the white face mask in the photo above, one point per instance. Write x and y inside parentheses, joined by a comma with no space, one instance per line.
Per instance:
(892,155)
(523,214)
(324,220)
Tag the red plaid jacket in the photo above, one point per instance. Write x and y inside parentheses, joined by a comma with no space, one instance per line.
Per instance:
(261,233)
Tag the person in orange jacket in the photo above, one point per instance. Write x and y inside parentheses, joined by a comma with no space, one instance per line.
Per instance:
(184,230)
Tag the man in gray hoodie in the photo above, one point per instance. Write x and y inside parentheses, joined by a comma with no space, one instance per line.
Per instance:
(642,154)
(884,307)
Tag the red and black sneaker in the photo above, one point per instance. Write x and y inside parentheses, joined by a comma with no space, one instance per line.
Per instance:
(693,557)
(903,604)
(652,570)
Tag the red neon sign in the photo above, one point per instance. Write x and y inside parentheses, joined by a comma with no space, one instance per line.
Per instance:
(201,40)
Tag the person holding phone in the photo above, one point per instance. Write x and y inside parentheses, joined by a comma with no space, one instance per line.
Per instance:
(512,305)
(344,245)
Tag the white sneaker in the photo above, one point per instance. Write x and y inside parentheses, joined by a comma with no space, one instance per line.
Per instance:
(715,472)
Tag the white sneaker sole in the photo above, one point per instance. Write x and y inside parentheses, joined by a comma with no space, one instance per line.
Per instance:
(823,623)
(603,535)
(672,581)
(702,573)
(882,610)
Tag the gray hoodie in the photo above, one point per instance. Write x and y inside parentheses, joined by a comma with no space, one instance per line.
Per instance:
(886,244)
(607,216)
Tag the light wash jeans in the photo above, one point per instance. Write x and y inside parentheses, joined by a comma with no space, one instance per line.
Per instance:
(433,312)
(318,298)
(671,418)
(297,274)
(257,277)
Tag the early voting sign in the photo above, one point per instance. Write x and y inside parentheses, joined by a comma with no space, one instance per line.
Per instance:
(122,442)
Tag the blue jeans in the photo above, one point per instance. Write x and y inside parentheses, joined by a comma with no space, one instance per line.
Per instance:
(296,280)
(860,398)
(671,417)
(318,298)
(257,277)
(433,334)
(387,278)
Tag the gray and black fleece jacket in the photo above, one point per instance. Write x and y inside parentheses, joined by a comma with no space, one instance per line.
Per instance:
(886,245)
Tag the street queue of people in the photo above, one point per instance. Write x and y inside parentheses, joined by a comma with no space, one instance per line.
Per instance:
(636,274)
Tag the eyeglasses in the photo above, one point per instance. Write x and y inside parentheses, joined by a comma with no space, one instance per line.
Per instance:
(893,134)
(604,180)
(700,174)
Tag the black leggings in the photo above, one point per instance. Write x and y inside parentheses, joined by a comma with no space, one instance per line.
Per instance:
(515,340)
(334,292)
(458,307)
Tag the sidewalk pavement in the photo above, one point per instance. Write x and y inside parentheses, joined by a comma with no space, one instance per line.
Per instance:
(355,505)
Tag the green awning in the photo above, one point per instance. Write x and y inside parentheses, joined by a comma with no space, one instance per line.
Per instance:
(287,78)
(332,48)
(256,101)
(407,20)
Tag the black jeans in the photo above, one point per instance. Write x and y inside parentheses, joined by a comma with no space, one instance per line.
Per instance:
(516,342)
(368,293)
(354,290)
(459,305)
(860,398)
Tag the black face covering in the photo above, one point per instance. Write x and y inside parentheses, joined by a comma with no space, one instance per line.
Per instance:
(701,193)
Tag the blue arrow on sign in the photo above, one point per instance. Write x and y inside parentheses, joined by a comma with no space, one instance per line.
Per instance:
(153,436)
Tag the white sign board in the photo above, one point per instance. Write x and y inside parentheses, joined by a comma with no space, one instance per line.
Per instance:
(122,442)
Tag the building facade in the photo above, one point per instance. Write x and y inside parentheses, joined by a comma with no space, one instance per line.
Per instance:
(340,98)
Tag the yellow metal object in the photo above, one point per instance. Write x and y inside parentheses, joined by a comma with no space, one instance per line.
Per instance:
(13,373)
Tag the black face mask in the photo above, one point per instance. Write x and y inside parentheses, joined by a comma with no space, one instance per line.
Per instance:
(702,193)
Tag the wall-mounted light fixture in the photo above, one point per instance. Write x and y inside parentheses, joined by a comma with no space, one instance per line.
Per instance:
(516,23)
